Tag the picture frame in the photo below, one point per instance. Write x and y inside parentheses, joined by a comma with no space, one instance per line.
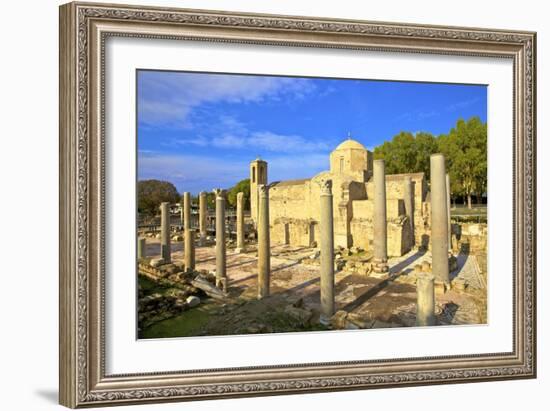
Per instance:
(84,29)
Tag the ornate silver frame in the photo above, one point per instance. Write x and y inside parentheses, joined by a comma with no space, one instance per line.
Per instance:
(83,30)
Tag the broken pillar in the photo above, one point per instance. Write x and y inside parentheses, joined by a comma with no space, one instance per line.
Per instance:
(186,211)
(202,218)
(439,223)
(189,256)
(425,300)
(448,192)
(240,223)
(380,239)
(221,274)
(165,232)
(326,239)
(264,254)
(141,252)
(408,200)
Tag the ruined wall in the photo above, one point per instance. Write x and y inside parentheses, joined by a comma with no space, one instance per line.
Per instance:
(395,190)
(399,233)
(472,234)
(295,209)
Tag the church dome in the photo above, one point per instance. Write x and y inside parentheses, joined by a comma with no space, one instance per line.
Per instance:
(351,144)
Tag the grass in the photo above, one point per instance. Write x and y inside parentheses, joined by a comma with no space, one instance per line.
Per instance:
(188,323)
(150,286)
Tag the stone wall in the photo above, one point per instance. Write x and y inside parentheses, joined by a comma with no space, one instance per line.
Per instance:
(472,234)
(399,234)
(295,209)
(299,232)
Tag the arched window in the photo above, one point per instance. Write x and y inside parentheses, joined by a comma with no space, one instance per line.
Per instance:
(253,174)
(341,164)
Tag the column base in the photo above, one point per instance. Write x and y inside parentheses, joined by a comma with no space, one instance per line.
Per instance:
(380,266)
(426,322)
(221,283)
(240,250)
(202,240)
(441,287)
(324,320)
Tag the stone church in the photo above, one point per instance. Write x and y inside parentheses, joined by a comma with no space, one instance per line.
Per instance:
(294,205)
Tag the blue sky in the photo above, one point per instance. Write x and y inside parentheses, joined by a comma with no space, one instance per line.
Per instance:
(200,131)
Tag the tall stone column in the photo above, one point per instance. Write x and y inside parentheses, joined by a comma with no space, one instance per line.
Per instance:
(408,199)
(425,300)
(380,224)
(186,211)
(189,258)
(240,223)
(141,252)
(326,234)
(202,217)
(221,274)
(165,232)
(448,192)
(439,223)
(264,246)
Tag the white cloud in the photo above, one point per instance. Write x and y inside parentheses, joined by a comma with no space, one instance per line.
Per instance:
(462,104)
(191,173)
(228,141)
(290,167)
(284,143)
(197,173)
(230,133)
(168,98)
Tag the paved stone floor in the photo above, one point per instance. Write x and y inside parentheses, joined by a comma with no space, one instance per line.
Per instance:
(375,302)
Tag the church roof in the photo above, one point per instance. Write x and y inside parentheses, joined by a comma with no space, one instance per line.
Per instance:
(351,144)
(289,182)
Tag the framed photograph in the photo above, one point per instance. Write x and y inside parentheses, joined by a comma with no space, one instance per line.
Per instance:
(260,204)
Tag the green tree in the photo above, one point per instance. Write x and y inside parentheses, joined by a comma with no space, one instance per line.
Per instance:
(150,193)
(244,186)
(407,153)
(426,145)
(465,150)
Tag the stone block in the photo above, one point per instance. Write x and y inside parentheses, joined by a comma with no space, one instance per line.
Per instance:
(338,320)
(192,301)
(156,262)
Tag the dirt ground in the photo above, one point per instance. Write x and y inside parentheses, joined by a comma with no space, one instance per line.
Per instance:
(294,301)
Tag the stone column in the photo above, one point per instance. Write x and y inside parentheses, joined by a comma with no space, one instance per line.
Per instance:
(448,192)
(326,234)
(408,199)
(221,275)
(439,223)
(240,223)
(186,211)
(202,217)
(264,246)
(425,300)
(141,252)
(380,224)
(189,258)
(165,232)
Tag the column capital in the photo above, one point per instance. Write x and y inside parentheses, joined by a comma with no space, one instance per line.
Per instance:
(220,193)
(326,187)
(263,189)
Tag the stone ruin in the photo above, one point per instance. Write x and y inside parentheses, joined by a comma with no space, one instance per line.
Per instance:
(394,221)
